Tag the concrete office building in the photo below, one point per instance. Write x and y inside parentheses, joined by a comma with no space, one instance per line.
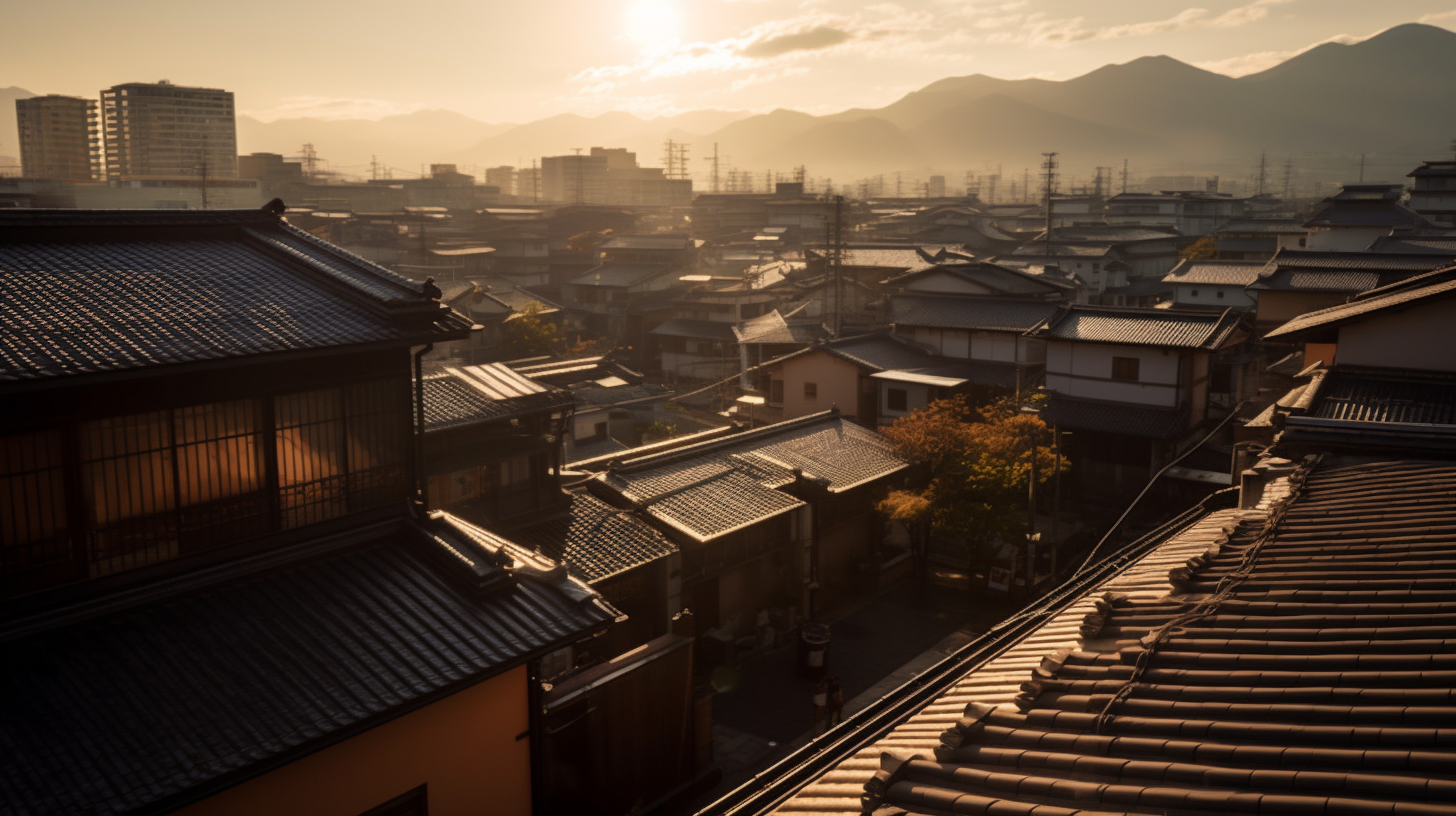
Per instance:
(166,130)
(57,137)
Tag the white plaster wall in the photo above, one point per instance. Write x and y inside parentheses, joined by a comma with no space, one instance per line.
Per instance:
(1236,297)
(916,397)
(1157,383)
(995,346)
(1419,337)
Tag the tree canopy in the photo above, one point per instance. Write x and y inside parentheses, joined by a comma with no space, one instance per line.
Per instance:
(970,469)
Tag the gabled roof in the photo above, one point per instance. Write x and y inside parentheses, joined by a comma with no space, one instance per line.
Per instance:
(664,242)
(1328,271)
(1164,328)
(695,329)
(152,707)
(89,292)
(1385,396)
(1215,273)
(1263,226)
(952,312)
(613,273)
(485,393)
(713,488)
(773,328)
(1002,279)
(1399,296)
(595,539)
(877,352)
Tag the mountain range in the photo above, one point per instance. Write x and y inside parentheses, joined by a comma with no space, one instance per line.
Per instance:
(1389,96)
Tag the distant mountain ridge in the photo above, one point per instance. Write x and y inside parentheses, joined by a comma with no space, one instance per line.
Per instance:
(1389,96)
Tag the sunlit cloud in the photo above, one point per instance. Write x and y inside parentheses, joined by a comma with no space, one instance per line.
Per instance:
(330,108)
(1246,64)
(1442,18)
(1038,28)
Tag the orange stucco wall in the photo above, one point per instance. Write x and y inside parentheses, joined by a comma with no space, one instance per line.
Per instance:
(464,747)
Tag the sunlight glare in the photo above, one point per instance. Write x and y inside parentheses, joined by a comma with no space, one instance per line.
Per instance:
(651,21)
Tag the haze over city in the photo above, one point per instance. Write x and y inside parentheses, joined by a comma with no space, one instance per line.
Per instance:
(728,408)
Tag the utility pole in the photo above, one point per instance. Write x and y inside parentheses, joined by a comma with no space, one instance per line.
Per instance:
(1049,174)
(715,167)
(1288,193)
(834,260)
(374,168)
(1026,183)
(579,197)
(1263,171)
(203,155)
(1362,168)
(535,182)
(898,186)
(1124,176)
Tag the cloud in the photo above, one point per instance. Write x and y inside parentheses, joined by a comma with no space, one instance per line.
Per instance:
(330,108)
(1246,64)
(1441,18)
(1039,29)
(815,39)
(1243,15)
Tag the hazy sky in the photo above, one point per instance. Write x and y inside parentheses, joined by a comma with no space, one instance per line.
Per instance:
(517,60)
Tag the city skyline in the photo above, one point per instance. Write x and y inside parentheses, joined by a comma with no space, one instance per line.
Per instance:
(656,57)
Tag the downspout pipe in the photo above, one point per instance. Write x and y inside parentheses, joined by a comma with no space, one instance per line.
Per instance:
(422,481)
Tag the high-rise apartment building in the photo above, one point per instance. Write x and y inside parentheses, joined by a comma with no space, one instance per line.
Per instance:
(58,137)
(166,130)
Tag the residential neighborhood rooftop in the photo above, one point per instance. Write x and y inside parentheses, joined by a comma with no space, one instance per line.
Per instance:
(1168,328)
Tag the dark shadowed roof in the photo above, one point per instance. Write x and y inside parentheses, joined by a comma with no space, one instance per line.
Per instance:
(95,291)
(154,706)
(950,312)
(695,329)
(595,539)
(993,276)
(1301,664)
(483,393)
(1168,328)
(620,274)
(1386,396)
(1115,418)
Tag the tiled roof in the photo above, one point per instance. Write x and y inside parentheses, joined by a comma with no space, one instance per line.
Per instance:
(1263,226)
(1359,213)
(1215,273)
(620,274)
(949,312)
(878,352)
(705,500)
(773,328)
(1115,418)
(1344,312)
(595,539)
(90,294)
(1312,270)
(993,276)
(1039,249)
(678,242)
(1384,395)
(991,671)
(884,258)
(695,329)
(482,393)
(1300,665)
(1417,244)
(714,487)
(1168,328)
(147,708)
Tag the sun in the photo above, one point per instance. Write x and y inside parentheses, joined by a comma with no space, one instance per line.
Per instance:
(650,21)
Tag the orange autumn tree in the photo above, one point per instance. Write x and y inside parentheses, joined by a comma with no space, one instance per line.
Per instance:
(969,471)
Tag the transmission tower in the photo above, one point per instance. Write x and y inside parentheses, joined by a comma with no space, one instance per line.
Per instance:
(675,159)
(1260,180)
(714,160)
(309,156)
(1288,193)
